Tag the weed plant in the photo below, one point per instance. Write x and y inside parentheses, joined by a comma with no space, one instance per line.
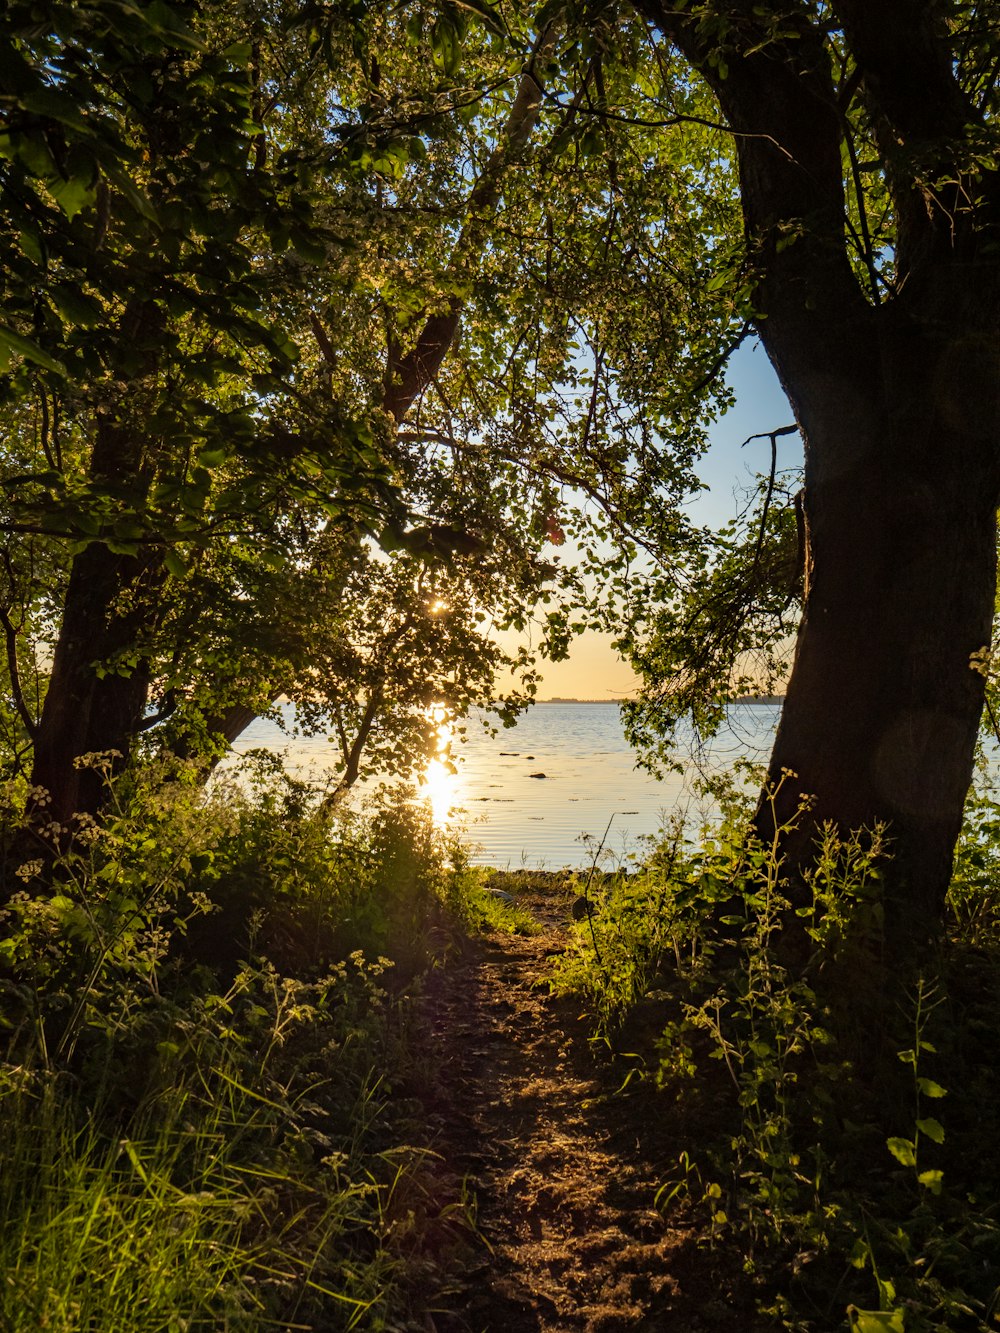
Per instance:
(852,1194)
(203,1022)
(485,906)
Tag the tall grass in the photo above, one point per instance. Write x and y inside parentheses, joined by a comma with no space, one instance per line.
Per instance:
(845,1116)
(197,1127)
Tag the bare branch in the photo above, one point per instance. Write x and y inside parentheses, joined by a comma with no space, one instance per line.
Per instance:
(773,436)
(17,694)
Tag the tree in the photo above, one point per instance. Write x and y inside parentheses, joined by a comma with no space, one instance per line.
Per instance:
(232,272)
(361,320)
(170,194)
(865,142)
(137,335)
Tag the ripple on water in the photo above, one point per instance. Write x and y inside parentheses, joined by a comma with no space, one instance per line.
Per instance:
(591,780)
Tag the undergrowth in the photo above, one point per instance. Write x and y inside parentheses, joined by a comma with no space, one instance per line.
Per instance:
(853,1112)
(205,1006)
(488,906)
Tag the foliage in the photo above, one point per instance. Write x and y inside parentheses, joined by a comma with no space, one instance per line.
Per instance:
(727,634)
(269,379)
(973,893)
(490,904)
(845,1186)
(202,1041)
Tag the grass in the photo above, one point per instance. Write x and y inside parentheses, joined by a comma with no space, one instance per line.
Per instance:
(204,1027)
(841,1121)
(206,1004)
(245,1188)
(490,904)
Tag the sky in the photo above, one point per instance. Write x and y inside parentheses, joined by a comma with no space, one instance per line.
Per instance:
(593,670)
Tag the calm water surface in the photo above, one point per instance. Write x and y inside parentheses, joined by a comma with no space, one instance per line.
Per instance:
(517,817)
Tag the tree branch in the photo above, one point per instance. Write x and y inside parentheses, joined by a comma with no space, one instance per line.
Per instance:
(17,694)
(166,709)
(777,97)
(923,120)
(773,436)
(409,375)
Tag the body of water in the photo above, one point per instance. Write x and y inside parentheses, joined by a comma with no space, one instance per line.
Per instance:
(543,793)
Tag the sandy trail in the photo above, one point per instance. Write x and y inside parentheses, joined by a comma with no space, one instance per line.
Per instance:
(564,1174)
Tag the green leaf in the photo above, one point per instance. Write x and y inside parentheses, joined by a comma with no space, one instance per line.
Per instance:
(877,1321)
(75,306)
(238,54)
(166,24)
(446,45)
(134,195)
(484,12)
(72,195)
(931,1089)
(933,1129)
(860,1253)
(175,564)
(56,106)
(902,1150)
(931,1180)
(32,247)
(29,350)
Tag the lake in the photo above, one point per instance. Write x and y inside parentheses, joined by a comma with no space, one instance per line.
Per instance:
(516,816)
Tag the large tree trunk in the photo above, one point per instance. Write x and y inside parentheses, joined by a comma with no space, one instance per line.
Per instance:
(95,702)
(884,702)
(896,386)
(99,684)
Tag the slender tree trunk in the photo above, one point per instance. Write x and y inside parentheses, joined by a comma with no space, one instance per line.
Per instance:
(87,712)
(99,684)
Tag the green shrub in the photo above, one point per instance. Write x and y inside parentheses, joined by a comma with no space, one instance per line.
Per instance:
(842,1185)
(197,1124)
(235,1184)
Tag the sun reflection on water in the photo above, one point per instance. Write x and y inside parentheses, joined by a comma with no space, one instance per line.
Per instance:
(439,785)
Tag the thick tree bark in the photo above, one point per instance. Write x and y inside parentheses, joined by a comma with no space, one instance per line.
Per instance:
(883,704)
(86,712)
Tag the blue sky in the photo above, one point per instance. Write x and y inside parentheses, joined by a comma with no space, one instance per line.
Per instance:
(593,670)
(760,406)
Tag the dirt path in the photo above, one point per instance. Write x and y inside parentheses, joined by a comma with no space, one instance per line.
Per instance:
(564,1174)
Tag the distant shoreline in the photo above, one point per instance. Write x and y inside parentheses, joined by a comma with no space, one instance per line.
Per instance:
(747,699)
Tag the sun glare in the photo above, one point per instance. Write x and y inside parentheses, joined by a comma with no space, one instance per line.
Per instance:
(439,784)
